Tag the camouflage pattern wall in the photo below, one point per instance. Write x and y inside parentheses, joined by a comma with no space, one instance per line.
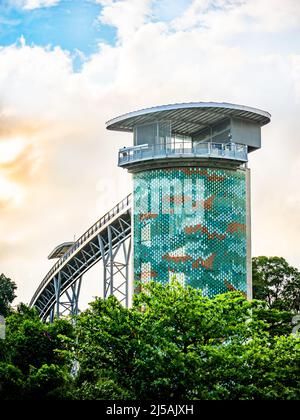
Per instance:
(191,223)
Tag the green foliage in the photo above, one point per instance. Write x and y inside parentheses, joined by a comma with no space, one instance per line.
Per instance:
(175,343)
(31,342)
(278,322)
(7,294)
(11,382)
(103,389)
(48,382)
(32,365)
(277,283)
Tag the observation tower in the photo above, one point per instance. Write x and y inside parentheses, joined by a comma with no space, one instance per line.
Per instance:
(188,215)
(191,192)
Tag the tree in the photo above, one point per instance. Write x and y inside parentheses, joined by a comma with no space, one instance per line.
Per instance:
(31,343)
(11,382)
(176,343)
(47,383)
(32,362)
(7,294)
(103,389)
(278,323)
(277,283)
(173,343)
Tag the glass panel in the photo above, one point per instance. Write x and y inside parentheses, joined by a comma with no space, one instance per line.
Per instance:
(145,134)
(165,135)
(219,133)
(157,133)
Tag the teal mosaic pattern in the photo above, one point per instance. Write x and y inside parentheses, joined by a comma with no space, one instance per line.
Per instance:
(191,223)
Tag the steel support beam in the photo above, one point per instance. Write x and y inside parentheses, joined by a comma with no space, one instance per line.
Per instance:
(115,265)
(67,303)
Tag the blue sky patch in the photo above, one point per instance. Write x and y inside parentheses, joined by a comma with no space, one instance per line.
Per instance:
(71,24)
(167,10)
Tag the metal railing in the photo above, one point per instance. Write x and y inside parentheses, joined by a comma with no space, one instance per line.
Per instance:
(126,202)
(175,149)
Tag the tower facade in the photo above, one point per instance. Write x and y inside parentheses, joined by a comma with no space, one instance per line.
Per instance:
(191,193)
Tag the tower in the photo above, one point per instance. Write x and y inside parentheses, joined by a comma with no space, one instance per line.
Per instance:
(191,192)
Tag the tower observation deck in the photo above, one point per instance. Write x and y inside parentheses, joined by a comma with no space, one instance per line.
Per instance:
(191,192)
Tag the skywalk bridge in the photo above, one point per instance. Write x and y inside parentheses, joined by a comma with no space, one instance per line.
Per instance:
(107,241)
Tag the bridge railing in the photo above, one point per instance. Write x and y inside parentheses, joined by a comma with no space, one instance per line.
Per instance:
(173,149)
(83,238)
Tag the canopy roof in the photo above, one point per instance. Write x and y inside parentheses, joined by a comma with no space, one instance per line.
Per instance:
(188,118)
(60,250)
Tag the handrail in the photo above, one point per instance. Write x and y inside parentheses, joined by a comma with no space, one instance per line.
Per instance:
(83,238)
(233,151)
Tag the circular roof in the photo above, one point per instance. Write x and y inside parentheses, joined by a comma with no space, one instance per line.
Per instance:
(188,118)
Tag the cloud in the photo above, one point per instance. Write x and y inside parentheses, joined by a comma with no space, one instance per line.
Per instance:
(295,73)
(33,4)
(136,12)
(66,175)
(240,15)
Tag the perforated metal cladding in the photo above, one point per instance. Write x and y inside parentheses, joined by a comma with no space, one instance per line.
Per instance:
(191,223)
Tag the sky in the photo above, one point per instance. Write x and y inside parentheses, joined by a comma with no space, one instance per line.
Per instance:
(67,66)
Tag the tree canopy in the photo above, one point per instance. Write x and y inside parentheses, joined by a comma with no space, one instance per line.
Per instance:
(277,283)
(7,294)
(31,366)
(173,343)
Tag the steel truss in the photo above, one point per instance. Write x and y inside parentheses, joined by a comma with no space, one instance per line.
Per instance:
(107,242)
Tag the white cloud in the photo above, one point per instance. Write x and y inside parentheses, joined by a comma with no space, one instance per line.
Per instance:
(295,72)
(33,4)
(233,17)
(67,172)
(126,15)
